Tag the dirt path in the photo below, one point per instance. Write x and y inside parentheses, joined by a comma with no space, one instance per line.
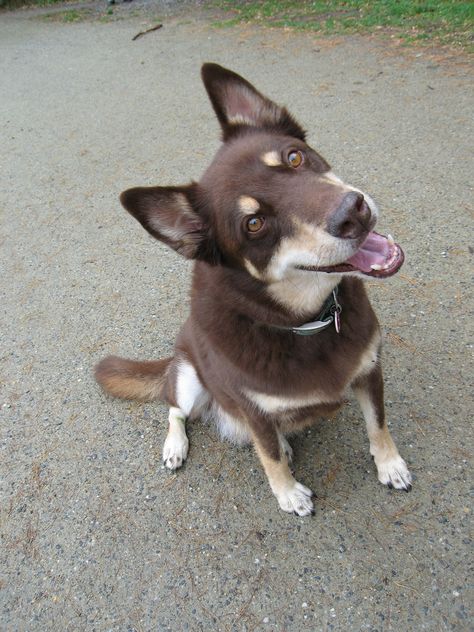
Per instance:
(95,535)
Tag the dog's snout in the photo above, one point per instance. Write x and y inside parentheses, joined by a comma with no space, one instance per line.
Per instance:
(352,218)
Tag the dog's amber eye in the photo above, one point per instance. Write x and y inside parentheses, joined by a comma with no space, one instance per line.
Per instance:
(254,224)
(295,158)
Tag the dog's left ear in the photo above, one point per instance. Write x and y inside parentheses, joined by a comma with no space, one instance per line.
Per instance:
(171,214)
(237,104)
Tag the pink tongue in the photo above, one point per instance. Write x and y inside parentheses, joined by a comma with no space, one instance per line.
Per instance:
(374,250)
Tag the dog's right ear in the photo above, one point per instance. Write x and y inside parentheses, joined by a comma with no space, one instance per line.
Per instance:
(238,105)
(171,215)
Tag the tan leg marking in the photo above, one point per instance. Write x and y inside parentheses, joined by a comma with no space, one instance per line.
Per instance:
(392,469)
(293,497)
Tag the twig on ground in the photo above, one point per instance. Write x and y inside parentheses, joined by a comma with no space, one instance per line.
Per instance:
(153,28)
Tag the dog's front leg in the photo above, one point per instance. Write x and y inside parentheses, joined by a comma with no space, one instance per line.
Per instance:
(187,393)
(292,496)
(392,469)
(175,449)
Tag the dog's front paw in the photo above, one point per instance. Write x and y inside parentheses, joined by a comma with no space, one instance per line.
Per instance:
(296,499)
(394,473)
(175,450)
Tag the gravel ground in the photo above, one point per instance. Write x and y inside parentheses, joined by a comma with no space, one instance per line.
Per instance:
(95,534)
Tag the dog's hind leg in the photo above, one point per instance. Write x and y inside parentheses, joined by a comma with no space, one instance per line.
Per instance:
(189,395)
(392,469)
(293,497)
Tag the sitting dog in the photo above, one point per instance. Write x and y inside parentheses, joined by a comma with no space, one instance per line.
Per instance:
(280,324)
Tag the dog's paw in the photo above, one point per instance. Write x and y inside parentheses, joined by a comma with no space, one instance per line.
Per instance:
(394,473)
(296,499)
(175,450)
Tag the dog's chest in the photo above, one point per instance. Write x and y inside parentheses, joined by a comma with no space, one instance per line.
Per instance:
(283,403)
(323,385)
(239,357)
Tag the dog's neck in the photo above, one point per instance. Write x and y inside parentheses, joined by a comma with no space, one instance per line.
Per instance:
(287,303)
(303,293)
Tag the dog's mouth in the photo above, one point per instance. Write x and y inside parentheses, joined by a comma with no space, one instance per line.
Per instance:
(378,256)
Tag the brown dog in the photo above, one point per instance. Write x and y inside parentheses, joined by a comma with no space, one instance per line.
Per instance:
(280,324)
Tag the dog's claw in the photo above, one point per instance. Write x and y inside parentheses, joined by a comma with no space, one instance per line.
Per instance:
(296,499)
(394,473)
(174,463)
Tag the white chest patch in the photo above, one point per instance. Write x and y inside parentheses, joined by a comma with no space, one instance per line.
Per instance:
(279,404)
(228,427)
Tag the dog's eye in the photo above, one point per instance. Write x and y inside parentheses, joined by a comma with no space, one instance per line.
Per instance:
(254,224)
(295,158)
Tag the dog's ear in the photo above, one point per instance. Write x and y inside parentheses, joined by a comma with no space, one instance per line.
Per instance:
(237,104)
(171,214)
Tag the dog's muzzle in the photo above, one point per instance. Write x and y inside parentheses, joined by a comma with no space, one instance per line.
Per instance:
(352,219)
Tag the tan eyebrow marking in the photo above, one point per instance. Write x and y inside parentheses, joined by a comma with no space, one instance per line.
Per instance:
(248,205)
(271,158)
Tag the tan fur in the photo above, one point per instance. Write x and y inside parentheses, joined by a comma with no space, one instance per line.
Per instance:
(370,357)
(248,205)
(302,292)
(252,269)
(310,245)
(278,472)
(131,379)
(280,404)
(292,496)
(382,446)
(271,159)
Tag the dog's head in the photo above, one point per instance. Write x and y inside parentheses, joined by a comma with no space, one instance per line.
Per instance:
(268,203)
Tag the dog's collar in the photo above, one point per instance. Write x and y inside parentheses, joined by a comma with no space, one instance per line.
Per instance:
(330,313)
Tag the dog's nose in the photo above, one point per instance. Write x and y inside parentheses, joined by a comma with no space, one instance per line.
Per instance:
(351,219)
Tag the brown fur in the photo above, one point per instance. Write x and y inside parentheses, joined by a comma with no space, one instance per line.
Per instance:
(132,379)
(232,352)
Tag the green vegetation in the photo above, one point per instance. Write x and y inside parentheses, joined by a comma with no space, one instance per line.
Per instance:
(435,22)
(73,15)
(14,4)
(449,22)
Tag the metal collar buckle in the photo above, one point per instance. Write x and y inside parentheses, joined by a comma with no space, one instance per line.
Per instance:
(331,313)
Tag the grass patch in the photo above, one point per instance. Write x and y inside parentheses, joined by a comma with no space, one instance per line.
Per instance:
(15,4)
(446,22)
(68,16)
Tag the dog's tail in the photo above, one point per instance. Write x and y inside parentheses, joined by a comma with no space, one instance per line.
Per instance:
(132,379)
